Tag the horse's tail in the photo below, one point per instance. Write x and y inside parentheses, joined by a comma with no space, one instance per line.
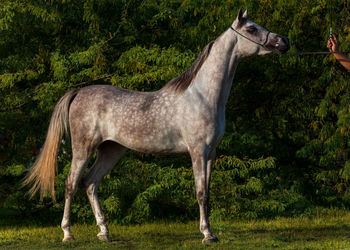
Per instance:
(43,172)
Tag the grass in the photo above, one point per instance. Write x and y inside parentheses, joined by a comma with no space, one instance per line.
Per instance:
(323,232)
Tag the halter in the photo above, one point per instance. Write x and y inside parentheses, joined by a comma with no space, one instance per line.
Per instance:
(262,45)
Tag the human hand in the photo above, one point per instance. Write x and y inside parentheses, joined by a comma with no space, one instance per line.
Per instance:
(332,44)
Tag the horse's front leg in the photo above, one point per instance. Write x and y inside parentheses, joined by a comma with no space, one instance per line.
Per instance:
(201,171)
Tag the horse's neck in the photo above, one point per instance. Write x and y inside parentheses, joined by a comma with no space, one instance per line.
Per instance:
(214,80)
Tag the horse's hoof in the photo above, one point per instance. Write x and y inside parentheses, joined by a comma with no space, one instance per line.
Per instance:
(104,238)
(210,239)
(68,238)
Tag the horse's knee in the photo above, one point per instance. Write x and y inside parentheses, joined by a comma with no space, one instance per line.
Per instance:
(202,197)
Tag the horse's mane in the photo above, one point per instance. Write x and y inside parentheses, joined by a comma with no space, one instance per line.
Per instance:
(182,82)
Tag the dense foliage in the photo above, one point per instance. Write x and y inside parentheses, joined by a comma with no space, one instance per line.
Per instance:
(287,143)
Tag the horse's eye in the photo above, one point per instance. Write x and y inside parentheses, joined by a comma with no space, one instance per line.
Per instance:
(252,29)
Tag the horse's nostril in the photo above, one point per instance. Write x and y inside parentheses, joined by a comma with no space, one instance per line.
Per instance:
(285,40)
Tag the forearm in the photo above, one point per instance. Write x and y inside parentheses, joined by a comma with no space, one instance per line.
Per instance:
(343,59)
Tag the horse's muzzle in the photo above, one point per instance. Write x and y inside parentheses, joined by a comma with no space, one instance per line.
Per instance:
(282,44)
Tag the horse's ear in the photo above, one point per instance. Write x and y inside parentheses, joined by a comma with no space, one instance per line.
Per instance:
(245,14)
(240,17)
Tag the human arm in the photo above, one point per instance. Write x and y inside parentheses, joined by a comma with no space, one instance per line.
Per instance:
(333,47)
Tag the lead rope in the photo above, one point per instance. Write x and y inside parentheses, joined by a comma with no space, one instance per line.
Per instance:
(312,53)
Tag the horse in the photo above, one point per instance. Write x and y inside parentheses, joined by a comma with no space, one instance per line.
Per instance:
(187,115)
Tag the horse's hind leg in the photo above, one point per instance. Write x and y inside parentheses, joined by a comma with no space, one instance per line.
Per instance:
(108,155)
(81,156)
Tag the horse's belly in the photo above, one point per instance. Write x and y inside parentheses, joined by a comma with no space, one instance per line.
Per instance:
(156,143)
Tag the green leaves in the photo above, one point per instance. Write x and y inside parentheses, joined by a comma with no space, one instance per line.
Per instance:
(148,69)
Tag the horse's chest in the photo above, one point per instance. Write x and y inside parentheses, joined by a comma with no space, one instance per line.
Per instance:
(205,128)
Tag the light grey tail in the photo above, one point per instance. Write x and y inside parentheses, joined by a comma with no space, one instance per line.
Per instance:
(42,174)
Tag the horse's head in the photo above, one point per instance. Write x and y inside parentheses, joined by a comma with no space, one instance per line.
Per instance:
(254,39)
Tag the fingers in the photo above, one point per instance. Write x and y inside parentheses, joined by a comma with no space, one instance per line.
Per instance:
(332,45)
(335,38)
(333,42)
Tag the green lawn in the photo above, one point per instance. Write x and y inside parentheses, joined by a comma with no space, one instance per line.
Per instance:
(324,232)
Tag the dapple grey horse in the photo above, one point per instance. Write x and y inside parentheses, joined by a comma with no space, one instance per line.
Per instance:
(186,116)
